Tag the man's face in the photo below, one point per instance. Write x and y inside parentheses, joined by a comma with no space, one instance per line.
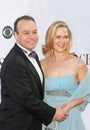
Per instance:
(27,35)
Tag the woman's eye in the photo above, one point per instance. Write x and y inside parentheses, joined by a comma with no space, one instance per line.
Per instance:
(58,37)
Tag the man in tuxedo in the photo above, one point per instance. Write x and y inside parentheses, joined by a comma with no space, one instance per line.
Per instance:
(22,83)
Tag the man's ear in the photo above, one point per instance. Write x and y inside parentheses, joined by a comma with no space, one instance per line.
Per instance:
(15,35)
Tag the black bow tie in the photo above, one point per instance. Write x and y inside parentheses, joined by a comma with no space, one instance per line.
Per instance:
(32,54)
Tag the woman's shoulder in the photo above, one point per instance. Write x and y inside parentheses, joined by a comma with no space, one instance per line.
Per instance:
(80,68)
(78,61)
(81,64)
(78,64)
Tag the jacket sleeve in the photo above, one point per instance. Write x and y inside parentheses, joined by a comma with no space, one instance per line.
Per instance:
(15,77)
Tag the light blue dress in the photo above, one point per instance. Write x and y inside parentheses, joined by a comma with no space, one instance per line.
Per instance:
(62,89)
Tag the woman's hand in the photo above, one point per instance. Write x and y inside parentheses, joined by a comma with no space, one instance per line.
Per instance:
(67,107)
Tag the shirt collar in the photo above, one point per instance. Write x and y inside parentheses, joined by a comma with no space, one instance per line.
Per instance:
(24,49)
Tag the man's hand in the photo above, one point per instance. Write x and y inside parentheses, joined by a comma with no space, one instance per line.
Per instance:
(60,114)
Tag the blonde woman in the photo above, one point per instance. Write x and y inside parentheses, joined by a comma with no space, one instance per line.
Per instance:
(67,79)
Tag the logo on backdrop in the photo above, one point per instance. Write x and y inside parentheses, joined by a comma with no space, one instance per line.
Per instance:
(7,32)
(86,58)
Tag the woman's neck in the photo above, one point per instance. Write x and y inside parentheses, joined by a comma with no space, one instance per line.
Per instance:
(60,56)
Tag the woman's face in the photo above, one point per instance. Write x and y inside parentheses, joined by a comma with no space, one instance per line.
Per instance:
(61,40)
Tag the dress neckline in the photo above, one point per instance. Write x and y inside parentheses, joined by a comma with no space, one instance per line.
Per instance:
(69,75)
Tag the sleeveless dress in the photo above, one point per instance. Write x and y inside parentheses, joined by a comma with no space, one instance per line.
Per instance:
(62,89)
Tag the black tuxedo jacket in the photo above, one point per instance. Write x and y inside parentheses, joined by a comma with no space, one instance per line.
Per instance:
(22,93)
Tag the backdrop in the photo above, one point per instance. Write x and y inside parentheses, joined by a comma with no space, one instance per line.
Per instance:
(75,13)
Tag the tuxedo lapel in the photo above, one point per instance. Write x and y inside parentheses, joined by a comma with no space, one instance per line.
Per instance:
(35,75)
(37,59)
(31,68)
(34,72)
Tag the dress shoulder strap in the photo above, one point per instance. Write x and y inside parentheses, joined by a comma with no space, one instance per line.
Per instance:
(76,63)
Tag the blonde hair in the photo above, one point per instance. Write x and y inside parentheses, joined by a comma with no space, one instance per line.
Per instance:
(47,49)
